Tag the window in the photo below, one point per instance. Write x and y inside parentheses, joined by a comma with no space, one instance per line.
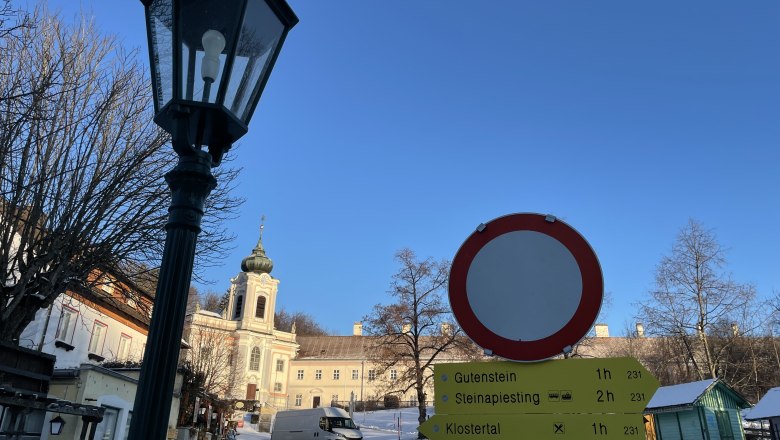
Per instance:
(106,285)
(355,375)
(300,374)
(260,310)
(280,365)
(254,359)
(127,426)
(239,305)
(371,375)
(393,374)
(98,337)
(278,387)
(67,324)
(106,429)
(124,347)
(336,374)
(298,399)
(317,374)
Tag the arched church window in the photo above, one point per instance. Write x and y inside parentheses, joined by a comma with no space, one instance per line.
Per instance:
(260,310)
(239,305)
(254,359)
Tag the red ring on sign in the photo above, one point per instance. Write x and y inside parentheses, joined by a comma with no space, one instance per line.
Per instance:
(554,344)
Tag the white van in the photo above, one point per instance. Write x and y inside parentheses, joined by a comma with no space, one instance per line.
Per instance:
(324,423)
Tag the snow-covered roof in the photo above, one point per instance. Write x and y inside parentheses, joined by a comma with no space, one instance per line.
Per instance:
(208,313)
(766,408)
(679,395)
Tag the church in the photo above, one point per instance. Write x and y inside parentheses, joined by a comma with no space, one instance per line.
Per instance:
(240,351)
(245,358)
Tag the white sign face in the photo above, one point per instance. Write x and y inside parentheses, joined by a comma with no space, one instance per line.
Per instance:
(524,276)
(526,287)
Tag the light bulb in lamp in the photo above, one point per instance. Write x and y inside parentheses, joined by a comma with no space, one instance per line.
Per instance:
(213,44)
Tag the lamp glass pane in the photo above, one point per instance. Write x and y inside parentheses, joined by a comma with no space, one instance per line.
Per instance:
(258,39)
(160,29)
(197,17)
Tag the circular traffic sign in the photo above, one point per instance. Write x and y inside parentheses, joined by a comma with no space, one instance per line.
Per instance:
(526,287)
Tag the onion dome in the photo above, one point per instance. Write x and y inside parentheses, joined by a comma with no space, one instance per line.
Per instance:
(258,262)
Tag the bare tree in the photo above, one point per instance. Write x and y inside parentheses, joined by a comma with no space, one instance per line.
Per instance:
(11,20)
(212,354)
(693,295)
(210,366)
(81,167)
(213,302)
(416,330)
(303,324)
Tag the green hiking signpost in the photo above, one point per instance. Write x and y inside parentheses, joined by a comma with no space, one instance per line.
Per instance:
(556,399)
(612,385)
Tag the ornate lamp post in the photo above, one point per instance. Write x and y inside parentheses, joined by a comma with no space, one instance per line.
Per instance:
(210,60)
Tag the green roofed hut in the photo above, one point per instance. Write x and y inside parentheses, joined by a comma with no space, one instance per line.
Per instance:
(704,410)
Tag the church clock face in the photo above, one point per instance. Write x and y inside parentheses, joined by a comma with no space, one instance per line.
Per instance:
(264,278)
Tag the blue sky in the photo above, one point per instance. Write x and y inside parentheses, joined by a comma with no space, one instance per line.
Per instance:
(392,124)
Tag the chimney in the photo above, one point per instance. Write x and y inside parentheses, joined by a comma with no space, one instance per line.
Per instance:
(446,329)
(602,330)
(640,330)
(734,329)
(406,328)
(357,329)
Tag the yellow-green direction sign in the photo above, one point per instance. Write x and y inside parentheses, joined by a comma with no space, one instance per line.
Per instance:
(535,427)
(568,386)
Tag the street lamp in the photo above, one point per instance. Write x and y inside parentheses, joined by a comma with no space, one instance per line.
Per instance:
(56,425)
(210,60)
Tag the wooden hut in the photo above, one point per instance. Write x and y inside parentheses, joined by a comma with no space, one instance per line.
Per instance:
(768,409)
(703,410)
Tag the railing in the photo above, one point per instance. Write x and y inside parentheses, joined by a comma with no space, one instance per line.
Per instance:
(758,434)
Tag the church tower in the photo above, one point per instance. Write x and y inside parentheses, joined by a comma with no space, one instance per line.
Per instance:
(263,353)
(253,292)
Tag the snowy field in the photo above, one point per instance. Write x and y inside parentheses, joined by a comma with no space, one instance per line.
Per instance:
(375,425)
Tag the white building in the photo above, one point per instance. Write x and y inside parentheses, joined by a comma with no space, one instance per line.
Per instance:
(84,328)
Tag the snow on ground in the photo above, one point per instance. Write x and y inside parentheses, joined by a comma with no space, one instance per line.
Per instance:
(375,425)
